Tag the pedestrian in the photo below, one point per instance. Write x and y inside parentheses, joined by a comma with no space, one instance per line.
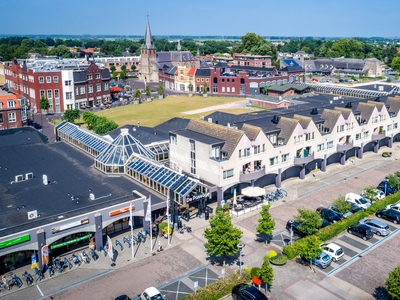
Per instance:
(51,298)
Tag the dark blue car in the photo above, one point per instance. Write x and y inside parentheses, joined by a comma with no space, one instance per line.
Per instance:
(385,187)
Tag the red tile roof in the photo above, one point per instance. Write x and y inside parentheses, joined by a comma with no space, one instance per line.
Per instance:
(191,71)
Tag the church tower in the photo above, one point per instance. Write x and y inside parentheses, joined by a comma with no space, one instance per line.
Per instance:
(148,57)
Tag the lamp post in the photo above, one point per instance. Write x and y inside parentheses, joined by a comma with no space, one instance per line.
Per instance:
(240,246)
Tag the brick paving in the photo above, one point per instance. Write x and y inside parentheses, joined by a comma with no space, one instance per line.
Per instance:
(101,281)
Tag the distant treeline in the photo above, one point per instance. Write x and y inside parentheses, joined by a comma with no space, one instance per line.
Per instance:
(19,46)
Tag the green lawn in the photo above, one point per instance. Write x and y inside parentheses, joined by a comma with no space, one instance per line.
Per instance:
(158,111)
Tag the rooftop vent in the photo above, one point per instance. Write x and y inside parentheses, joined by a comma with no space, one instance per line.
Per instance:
(314,111)
(275,119)
(349,105)
(378,99)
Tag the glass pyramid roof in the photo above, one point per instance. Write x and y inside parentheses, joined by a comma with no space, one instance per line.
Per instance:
(119,151)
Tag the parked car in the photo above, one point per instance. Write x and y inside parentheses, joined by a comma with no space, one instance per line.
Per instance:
(329,215)
(345,215)
(292,224)
(247,292)
(334,251)
(357,199)
(393,206)
(361,230)
(152,293)
(378,227)
(389,214)
(354,207)
(323,260)
(385,187)
(379,194)
(295,226)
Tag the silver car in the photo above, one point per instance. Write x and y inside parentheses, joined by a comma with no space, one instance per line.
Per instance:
(378,227)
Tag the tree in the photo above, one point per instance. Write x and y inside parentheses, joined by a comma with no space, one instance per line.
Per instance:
(71,115)
(266,272)
(89,118)
(394,181)
(266,224)
(123,68)
(44,103)
(341,205)
(112,68)
(103,125)
(309,220)
(114,74)
(160,88)
(137,94)
(122,75)
(370,193)
(265,89)
(310,247)
(148,91)
(190,87)
(396,64)
(222,237)
(393,283)
(166,46)
(205,88)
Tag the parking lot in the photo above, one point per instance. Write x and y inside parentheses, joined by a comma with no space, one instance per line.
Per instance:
(353,247)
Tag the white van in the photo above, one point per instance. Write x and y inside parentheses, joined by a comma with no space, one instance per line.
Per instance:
(358,200)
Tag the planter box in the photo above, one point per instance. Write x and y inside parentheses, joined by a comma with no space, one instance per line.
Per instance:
(149,99)
(205,95)
(160,97)
(190,94)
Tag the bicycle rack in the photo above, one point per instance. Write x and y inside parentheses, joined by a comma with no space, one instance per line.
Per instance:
(76,258)
(67,263)
(94,254)
(143,236)
(136,239)
(39,274)
(18,281)
(118,243)
(104,250)
(87,257)
(125,240)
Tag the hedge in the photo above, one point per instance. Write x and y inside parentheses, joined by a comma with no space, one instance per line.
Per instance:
(333,230)
(220,288)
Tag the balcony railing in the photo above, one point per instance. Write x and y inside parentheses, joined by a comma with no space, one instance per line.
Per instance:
(378,136)
(344,146)
(304,159)
(252,175)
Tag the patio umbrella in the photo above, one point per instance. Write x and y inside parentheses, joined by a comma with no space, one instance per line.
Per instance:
(121,85)
(253,191)
(234,197)
(112,84)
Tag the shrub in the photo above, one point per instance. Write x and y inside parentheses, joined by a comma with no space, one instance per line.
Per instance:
(162,226)
(220,288)
(271,254)
(278,260)
(335,229)
(255,272)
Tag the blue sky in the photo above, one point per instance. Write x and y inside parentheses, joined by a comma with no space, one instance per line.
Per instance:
(344,18)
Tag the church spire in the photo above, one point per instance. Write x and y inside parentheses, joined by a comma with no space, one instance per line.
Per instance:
(179,46)
(148,40)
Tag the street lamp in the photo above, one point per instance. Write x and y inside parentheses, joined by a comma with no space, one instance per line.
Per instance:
(240,246)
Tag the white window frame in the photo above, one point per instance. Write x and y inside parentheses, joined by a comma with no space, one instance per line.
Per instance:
(228,174)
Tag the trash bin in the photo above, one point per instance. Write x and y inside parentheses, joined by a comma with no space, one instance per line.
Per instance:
(207,215)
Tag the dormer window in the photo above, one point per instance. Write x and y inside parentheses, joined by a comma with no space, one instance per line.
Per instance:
(10,103)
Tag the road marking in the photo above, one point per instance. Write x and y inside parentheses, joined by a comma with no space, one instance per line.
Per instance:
(343,178)
(40,291)
(363,252)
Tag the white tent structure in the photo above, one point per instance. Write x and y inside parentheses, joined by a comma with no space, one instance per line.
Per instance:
(253,191)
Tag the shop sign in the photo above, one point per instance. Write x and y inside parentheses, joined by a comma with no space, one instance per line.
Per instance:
(120,211)
(82,238)
(16,241)
(197,197)
(70,225)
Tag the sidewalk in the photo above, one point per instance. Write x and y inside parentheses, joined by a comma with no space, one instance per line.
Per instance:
(186,252)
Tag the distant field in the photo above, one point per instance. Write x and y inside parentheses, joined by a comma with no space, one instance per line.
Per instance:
(158,111)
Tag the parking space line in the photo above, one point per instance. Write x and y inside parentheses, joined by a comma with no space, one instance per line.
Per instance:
(343,178)
(364,252)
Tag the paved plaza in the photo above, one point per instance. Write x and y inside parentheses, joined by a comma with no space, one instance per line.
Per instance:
(185,261)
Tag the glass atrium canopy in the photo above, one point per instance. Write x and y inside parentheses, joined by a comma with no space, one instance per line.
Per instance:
(114,157)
